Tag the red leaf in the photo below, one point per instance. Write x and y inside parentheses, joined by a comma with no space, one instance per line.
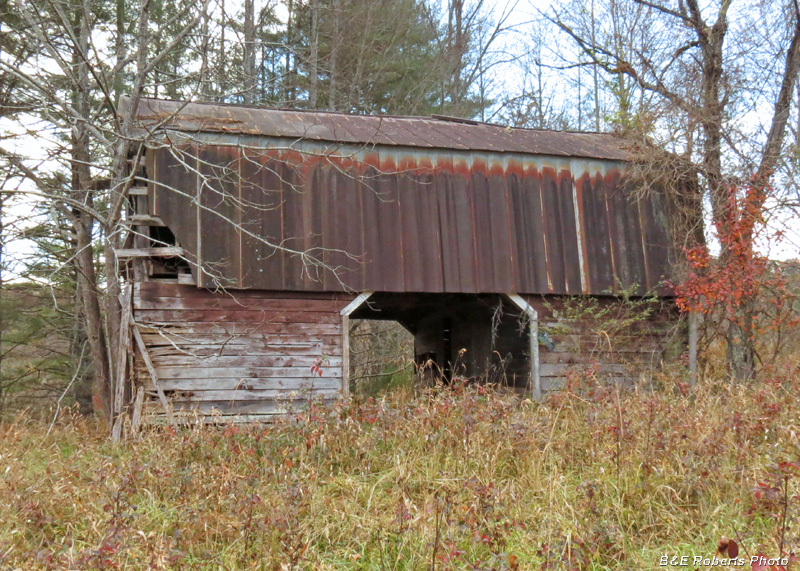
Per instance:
(733,549)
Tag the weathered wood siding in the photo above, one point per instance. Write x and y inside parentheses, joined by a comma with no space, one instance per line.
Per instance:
(606,337)
(239,353)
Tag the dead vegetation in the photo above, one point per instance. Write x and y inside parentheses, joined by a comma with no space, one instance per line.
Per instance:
(461,477)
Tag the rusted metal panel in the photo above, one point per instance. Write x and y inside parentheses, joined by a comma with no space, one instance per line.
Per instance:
(654,212)
(401,219)
(503,261)
(595,225)
(219,231)
(554,219)
(261,221)
(462,222)
(425,132)
(430,232)
(569,236)
(411,245)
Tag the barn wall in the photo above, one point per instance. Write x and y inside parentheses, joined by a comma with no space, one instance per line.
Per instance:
(617,340)
(246,353)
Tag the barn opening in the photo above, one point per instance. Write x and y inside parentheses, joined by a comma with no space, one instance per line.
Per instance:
(381,358)
(482,337)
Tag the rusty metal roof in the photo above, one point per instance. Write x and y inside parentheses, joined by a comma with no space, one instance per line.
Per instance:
(420,132)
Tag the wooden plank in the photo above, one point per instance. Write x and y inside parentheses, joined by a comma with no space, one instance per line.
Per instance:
(310,350)
(255,341)
(261,384)
(231,329)
(192,419)
(247,360)
(151,370)
(248,395)
(243,316)
(235,302)
(157,289)
(560,370)
(167,252)
(243,407)
(576,358)
(345,386)
(144,220)
(137,191)
(201,372)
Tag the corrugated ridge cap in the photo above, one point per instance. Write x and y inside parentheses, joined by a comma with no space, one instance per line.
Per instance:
(380,130)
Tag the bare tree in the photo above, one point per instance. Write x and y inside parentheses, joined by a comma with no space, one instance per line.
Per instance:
(699,78)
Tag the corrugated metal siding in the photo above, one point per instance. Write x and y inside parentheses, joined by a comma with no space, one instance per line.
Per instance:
(408,220)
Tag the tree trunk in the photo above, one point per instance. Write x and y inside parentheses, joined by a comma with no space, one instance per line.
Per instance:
(83,224)
(249,59)
(335,41)
(313,63)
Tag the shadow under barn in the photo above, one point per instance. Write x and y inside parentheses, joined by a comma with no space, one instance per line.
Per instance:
(474,336)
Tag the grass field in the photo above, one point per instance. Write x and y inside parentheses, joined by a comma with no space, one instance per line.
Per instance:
(459,478)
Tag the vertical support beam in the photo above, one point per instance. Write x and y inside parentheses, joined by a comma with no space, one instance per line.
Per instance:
(533,317)
(121,361)
(693,347)
(345,391)
(345,313)
(138,402)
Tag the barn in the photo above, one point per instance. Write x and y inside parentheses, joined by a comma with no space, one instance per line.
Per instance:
(257,234)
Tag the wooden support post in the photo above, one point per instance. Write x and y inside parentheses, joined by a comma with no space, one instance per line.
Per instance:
(533,317)
(152,371)
(345,356)
(121,362)
(138,402)
(345,313)
(693,347)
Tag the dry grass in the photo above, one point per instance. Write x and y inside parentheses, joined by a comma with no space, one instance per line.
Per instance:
(460,478)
